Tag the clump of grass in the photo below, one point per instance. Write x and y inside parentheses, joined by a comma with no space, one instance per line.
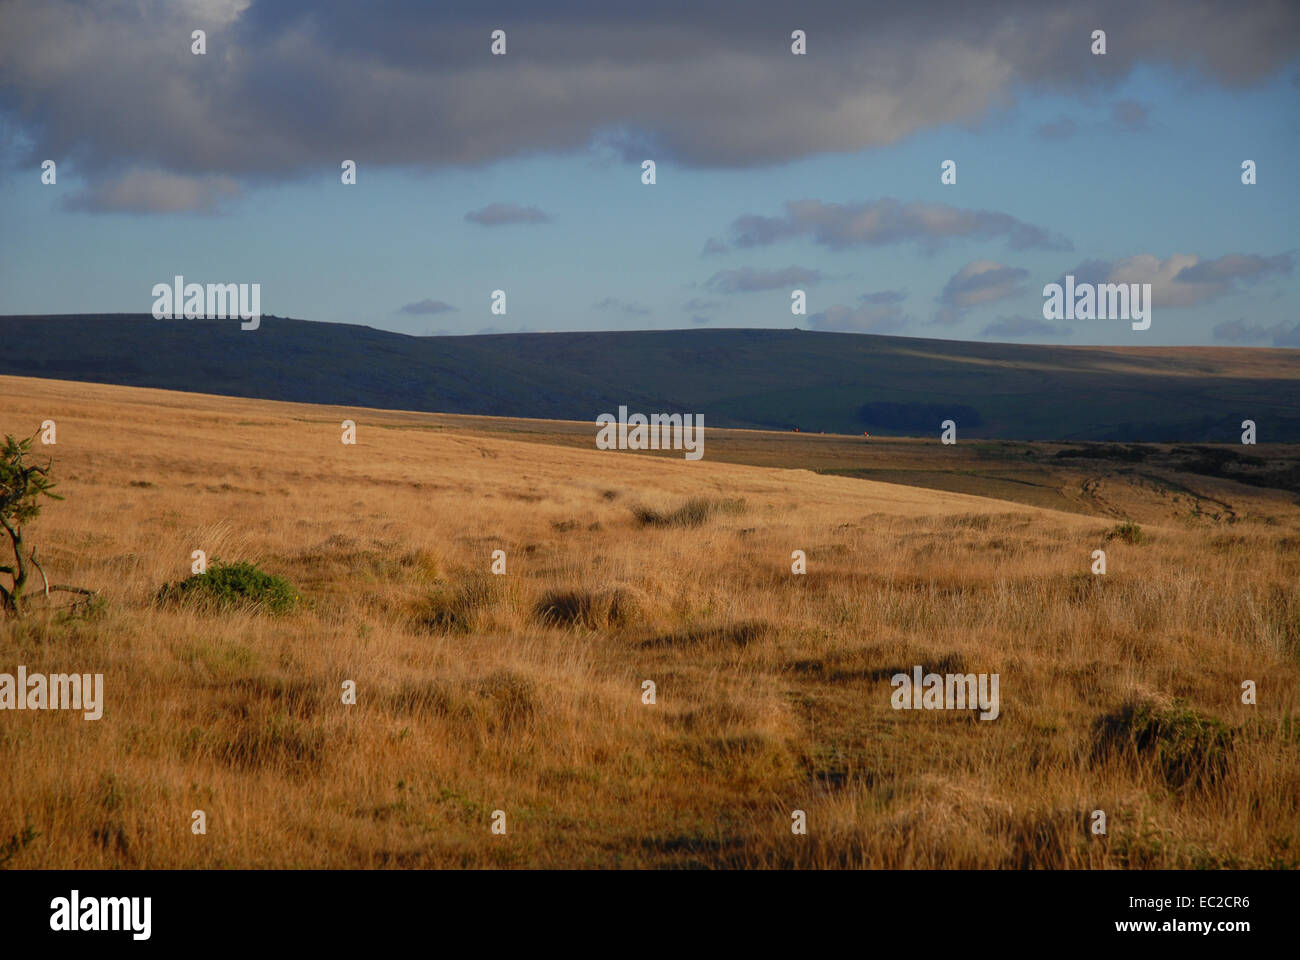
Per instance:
(735,634)
(501,701)
(511,696)
(1189,749)
(274,740)
(693,513)
(586,608)
(228,585)
(1128,531)
(456,609)
(1082,588)
(84,609)
(14,845)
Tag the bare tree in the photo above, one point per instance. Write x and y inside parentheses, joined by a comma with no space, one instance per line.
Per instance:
(22,484)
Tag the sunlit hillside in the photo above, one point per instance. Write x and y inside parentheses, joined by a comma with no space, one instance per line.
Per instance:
(523,692)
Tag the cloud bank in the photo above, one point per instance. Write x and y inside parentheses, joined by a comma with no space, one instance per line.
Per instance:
(289,88)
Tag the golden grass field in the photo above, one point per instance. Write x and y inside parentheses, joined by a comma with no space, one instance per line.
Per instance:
(522,692)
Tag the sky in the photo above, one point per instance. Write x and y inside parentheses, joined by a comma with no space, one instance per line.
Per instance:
(523,172)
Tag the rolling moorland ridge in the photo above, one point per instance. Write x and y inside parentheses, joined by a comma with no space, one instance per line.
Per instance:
(766,379)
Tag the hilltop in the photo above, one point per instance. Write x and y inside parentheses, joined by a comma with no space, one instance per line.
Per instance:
(766,379)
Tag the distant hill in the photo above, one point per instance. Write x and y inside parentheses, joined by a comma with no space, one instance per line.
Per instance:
(769,379)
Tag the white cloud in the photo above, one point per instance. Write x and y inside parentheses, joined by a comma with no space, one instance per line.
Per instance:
(155,191)
(1184,279)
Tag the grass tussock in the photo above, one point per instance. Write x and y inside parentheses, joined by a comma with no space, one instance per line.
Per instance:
(729,635)
(695,512)
(1186,748)
(502,701)
(592,609)
(459,607)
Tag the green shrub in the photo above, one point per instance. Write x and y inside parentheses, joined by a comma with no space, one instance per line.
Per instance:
(226,585)
(1128,531)
(1187,748)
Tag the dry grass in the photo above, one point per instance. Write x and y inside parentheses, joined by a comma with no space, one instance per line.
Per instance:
(523,692)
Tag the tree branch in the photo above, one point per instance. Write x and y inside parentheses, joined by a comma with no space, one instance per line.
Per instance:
(62,588)
(42,570)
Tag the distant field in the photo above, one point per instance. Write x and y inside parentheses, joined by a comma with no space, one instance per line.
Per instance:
(768,379)
(522,692)
(1149,482)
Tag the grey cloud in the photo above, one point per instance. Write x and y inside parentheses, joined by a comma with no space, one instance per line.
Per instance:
(497,331)
(977,283)
(981,281)
(697,304)
(427,306)
(155,191)
(289,88)
(500,214)
(1130,115)
(1090,271)
(713,247)
(888,221)
(1182,279)
(1016,327)
(1233,266)
(1239,331)
(612,303)
(1059,129)
(878,313)
(748,279)
(883,296)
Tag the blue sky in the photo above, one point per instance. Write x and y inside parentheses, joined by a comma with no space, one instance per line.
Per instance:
(1144,163)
